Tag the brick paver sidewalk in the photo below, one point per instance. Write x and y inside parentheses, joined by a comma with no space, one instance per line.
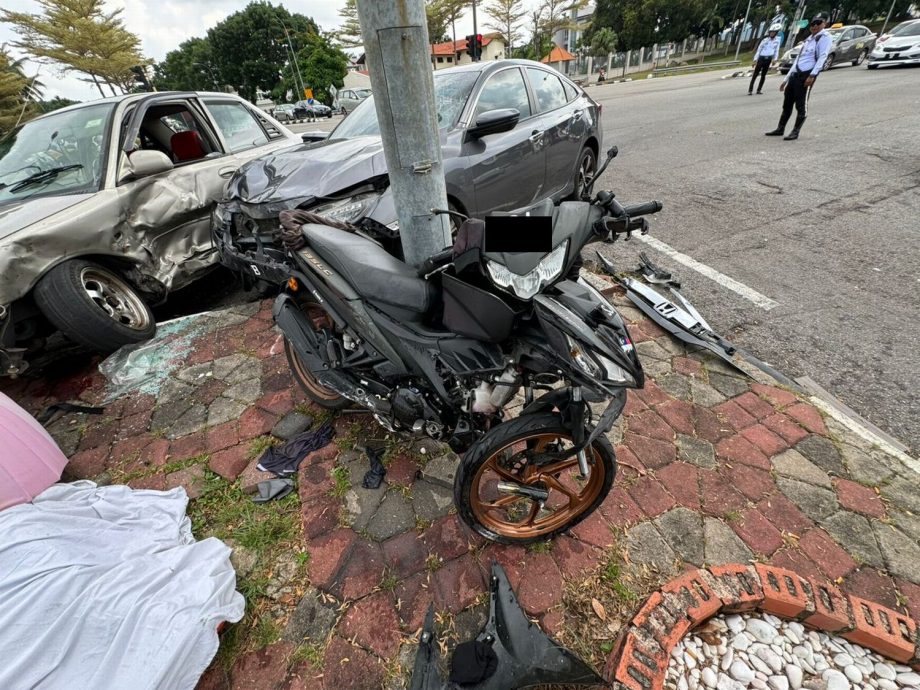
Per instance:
(715,469)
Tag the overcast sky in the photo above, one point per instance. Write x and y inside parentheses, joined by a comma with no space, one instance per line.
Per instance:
(163,24)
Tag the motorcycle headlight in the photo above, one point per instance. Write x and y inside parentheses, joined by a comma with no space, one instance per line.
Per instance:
(581,358)
(528,285)
(597,365)
(346,210)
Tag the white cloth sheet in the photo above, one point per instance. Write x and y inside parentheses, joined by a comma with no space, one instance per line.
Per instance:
(105,587)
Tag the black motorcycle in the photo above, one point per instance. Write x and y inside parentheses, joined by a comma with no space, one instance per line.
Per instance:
(442,350)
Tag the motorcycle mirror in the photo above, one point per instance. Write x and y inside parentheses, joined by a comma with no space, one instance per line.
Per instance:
(612,152)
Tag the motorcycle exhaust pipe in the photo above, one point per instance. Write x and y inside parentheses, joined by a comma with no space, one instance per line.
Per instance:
(534,493)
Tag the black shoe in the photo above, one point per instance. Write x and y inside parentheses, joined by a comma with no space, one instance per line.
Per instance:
(776,132)
(750,93)
(792,136)
(760,93)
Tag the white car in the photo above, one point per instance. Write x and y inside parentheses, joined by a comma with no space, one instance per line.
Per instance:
(901,47)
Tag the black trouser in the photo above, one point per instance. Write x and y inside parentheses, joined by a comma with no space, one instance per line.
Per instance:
(796,93)
(761,68)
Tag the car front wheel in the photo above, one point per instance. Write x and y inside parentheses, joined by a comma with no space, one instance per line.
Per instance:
(829,62)
(860,58)
(584,173)
(93,306)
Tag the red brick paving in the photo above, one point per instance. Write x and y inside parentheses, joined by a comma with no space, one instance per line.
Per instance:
(652,453)
(868,583)
(765,440)
(686,366)
(222,436)
(679,415)
(348,666)
(413,595)
(650,425)
(320,515)
(708,426)
(574,557)
(373,624)
(781,425)
(719,495)
(262,669)
(230,463)
(327,554)
(255,422)
(402,470)
(362,573)
(860,499)
(754,406)
(541,589)
(620,510)
(808,417)
(833,561)
(777,396)
(734,415)
(449,537)
(650,496)
(758,532)
(738,449)
(785,514)
(683,482)
(595,530)
(87,464)
(793,559)
(458,583)
(188,446)
(405,554)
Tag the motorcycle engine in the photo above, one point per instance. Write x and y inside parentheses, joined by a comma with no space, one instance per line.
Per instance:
(412,410)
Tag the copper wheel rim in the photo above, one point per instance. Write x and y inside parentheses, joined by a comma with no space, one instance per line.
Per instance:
(320,319)
(555,476)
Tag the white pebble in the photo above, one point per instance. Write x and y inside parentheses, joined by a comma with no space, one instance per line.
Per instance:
(778,682)
(682,684)
(762,631)
(794,674)
(740,672)
(708,677)
(735,623)
(727,660)
(853,673)
(836,680)
(843,660)
(742,642)
(885,671)
(885,684)
(908,678)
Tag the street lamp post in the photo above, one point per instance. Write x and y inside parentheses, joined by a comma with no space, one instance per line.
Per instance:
(741,34)
(293,59)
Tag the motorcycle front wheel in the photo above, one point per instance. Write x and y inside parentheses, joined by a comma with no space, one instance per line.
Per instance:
(516,485)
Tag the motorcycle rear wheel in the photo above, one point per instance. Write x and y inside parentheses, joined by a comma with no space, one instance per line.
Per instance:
(502,456)
(322,396)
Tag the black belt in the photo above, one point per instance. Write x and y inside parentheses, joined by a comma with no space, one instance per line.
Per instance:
(801,75)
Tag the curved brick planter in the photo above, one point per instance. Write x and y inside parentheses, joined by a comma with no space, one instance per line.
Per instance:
(640,659)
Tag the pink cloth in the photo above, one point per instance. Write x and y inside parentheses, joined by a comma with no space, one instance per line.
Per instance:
(30,460)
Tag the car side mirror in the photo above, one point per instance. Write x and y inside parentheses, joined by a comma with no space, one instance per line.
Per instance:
(494,122)
(144,163)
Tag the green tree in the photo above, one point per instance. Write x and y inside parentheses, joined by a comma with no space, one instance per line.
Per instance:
(80,36)
(250,47)
(506,16)
(15,93)
(639,23)
(55,103)
(190,67)
(349,34)
(603,42)
(437,12)
(321,64)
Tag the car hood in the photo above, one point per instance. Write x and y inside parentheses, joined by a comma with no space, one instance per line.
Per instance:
(900,42)
(288,177)
(20,214)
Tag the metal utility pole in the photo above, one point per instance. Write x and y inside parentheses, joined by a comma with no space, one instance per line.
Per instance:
(475,32)
(741,34)
(884,26)
(397,50)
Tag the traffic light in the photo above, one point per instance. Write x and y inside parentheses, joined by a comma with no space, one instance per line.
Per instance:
(474,46)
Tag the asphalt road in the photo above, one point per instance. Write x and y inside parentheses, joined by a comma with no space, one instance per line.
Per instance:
(827,226)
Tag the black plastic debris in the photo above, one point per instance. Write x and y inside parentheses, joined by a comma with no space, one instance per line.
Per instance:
(374,476)
(524,655)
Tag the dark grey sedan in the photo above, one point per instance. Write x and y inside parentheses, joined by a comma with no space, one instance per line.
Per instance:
(513,132)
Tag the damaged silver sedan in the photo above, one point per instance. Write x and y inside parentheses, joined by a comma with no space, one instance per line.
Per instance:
(105,209)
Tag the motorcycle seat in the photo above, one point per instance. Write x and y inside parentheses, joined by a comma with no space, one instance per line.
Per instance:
(370,269)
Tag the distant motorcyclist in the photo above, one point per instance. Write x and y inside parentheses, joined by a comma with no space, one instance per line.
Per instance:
(767,53)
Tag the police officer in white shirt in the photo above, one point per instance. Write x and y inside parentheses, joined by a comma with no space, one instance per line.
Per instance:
(767,52)
(804,71)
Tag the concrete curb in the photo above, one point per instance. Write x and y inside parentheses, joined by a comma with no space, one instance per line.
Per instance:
(639,660)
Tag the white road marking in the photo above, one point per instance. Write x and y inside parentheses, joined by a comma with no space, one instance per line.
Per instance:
(748,293)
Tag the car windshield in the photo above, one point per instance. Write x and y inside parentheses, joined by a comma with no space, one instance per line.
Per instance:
(835,34)
(450,94)
(907,30)
(63,153)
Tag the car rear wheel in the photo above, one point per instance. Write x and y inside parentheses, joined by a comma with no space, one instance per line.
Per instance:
(829,62)
(93,306)
(587,166)
(861,58)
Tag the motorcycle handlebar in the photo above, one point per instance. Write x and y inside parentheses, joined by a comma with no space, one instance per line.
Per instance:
(642,209)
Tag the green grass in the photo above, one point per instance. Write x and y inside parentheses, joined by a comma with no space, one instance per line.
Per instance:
(389,581)
(540,547)
(308,652)
(265,633)
(612,576)
(342,478)
(258,445)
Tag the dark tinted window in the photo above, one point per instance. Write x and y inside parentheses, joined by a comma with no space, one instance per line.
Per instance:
(548,88)
(506,89)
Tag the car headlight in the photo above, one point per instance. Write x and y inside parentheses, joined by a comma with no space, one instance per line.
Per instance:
(346,210)
(526,286)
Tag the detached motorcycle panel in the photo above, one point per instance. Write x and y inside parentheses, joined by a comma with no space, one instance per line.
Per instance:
(525,655)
